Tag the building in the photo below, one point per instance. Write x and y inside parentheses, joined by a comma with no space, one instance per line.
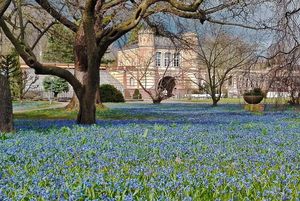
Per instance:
(37,89)
(143,64)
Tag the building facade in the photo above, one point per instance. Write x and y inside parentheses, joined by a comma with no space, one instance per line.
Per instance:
(143,64)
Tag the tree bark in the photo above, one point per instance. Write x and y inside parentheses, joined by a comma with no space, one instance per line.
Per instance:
(87,109)
(81,70)
(157,100)
(215,102)
(74,102)
(3,6)
(6,112)
(214,98)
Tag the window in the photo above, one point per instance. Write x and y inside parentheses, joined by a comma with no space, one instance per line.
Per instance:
(177,59)
(230,81)
(158,59)
(131,81)
(167,59)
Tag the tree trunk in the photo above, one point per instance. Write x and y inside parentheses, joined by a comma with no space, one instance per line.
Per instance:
(6,112)
(87,110)
(80,71)
(214,99)
(215,102)
(74,102)
(157,100)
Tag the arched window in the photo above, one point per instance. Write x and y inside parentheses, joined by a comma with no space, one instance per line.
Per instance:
(131,81)
(230,81)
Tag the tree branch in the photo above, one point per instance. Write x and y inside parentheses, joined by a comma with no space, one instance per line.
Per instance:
(209,19)
(185,7)
(30,59)
(42,33)
(57,15)
(3,6)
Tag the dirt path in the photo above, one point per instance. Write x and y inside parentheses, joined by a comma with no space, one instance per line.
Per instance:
(52,106)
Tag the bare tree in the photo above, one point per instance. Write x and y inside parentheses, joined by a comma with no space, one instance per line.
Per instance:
(99,23)
(284,52)
(219,56)
(156,78)
(27,83)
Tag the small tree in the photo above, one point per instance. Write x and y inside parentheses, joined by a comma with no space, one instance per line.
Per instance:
(10,68)
(28,83)
(56,85)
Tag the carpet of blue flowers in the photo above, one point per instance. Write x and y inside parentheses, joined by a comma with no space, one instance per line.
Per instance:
(181,152)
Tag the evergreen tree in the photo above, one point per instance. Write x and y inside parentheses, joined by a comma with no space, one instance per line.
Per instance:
(60,46)
(56,85)
(11,69)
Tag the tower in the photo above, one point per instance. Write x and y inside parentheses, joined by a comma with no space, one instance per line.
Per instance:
(146,38)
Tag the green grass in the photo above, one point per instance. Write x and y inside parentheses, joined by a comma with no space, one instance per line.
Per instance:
(32,105)
(61,113)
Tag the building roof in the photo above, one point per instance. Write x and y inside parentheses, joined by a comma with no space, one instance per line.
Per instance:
(131,46)
(161,42)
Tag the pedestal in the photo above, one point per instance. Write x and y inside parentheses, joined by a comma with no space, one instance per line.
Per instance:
(254,107)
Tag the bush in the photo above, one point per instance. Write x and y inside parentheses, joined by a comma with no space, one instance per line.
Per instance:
(136,94)
(108,93)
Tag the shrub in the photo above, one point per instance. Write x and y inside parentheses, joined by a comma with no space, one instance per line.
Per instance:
(136,94)
(108,93)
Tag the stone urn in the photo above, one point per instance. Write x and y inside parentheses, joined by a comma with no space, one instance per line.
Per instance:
(253,99)
(253,96)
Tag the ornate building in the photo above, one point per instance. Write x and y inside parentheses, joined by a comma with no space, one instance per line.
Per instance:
(143,64)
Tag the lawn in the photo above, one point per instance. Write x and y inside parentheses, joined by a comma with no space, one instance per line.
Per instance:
(32,105)
(155,152)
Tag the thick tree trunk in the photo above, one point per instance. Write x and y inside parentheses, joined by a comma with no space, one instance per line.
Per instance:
(74,102)
(80,71)
(6,112)
(87,110)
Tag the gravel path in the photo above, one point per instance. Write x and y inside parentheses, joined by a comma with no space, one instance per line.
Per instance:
(54,105)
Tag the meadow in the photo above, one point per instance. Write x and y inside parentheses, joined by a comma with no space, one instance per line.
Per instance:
(172,151)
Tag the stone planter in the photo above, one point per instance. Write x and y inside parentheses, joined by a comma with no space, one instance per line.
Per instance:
(253,99)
